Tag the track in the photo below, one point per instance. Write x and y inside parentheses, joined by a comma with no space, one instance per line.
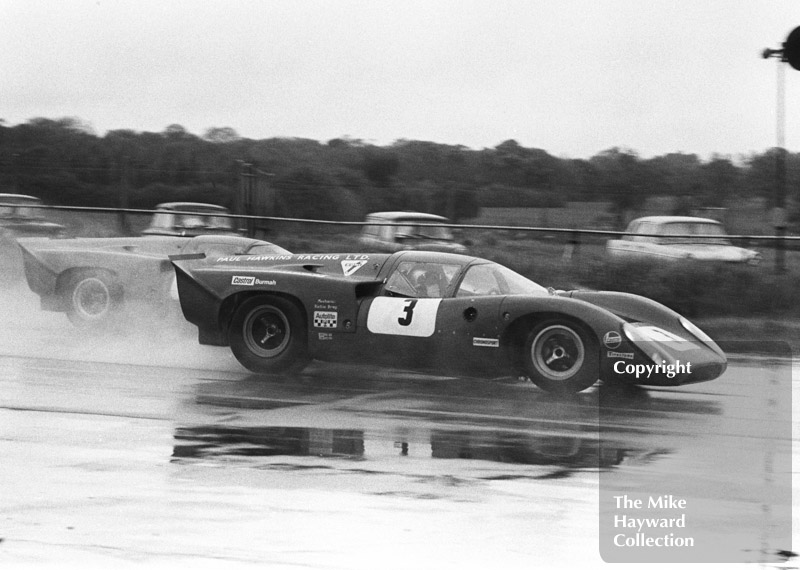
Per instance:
(150,449)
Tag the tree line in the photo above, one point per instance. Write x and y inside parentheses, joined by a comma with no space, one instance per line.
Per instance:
(64,162)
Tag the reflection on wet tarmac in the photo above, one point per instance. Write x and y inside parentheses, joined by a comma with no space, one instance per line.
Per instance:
(211,441)
(500,422)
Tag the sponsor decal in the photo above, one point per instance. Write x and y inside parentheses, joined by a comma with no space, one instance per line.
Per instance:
(350,266)
(612,339)
(325,336)
(612,354)
(250,281)
(326,319)
(489,342)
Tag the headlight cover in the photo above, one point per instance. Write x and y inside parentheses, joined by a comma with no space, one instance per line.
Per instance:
(647,344)
(695,331)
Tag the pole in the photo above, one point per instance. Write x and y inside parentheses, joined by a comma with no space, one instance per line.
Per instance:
(124,195)
(780,169)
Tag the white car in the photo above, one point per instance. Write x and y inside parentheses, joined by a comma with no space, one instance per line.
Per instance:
(412,230)
(656,238)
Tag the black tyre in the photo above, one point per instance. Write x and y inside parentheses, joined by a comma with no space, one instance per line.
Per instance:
(561,357)
(269,335)
(93,298)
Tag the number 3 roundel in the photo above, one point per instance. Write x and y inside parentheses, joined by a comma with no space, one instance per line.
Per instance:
(406,317)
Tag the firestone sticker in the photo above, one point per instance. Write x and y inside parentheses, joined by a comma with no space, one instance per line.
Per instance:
(612,354)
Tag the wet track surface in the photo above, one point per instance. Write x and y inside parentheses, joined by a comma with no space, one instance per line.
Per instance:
(150,450)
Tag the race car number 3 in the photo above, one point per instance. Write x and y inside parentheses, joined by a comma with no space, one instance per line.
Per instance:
(406,317)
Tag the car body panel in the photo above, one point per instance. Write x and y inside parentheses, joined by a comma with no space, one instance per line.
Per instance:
(651,239)
(356,316)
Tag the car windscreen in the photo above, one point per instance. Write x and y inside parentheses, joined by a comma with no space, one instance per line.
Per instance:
(494,279)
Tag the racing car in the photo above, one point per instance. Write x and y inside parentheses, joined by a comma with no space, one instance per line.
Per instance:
(435,311)
(94,280)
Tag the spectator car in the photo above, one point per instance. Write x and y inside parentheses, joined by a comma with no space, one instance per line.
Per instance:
(95,280)
(657,238)
(434,311)
(19,219)
(188,219)
(414,230)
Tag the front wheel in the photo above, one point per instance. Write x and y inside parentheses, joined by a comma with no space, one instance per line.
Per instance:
(561,357)
(268,335)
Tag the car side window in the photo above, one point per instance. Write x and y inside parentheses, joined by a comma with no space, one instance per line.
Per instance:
(421,279)
(386,233)
(646,228)
(162,220)
(371,231)
(479,280)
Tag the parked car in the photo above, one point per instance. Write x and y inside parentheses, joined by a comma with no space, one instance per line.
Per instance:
(18,219)
(656,238)
(415,230)
(436,311)
(190,219)
(93,280)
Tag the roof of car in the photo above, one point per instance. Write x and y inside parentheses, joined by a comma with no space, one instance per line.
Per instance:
(21,197)
(678,219)
(406,215)
(190,206)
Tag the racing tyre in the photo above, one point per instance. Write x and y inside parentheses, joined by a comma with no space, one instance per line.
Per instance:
(561,357)
(269,335)
(93,298)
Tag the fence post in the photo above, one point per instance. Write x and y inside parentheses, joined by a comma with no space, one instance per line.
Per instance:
(573,247)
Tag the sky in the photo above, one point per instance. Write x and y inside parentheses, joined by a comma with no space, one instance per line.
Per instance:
(572,77)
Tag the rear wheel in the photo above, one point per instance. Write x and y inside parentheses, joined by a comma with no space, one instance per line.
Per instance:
(561,357)
(269,335)
(93,298)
